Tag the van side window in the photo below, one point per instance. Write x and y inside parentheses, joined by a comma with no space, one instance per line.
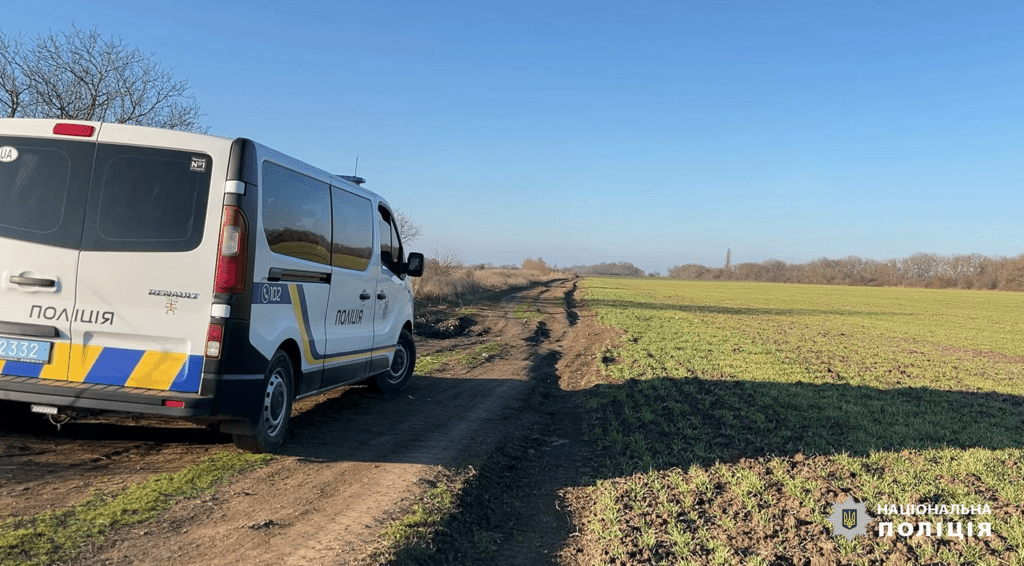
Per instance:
(390,245)
(353,230)
(296,214)
(396,246)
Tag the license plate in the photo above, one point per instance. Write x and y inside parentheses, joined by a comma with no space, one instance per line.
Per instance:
(30,351)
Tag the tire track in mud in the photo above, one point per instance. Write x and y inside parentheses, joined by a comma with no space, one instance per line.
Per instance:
(509,511)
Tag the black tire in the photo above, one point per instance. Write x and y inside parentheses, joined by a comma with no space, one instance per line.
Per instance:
(270,423)
(403,362)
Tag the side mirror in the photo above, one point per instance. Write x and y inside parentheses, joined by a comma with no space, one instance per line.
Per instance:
(414,267)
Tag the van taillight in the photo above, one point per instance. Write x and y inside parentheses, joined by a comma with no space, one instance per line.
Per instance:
(74,130)
(214,337)
(231,252)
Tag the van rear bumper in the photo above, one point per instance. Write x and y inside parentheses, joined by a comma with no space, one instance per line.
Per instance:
(103,397)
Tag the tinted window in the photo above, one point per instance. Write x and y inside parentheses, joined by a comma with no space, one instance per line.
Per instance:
(149,200)
(385,242)
(396,245)
(44,186)
(353,230)
(296,214)
(390,248)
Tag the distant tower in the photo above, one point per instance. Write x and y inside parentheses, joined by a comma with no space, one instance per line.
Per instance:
(728,259)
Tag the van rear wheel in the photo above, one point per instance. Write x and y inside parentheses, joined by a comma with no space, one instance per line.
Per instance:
(403,362)
(274,412)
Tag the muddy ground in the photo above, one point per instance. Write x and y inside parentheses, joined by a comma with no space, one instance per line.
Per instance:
(354,461)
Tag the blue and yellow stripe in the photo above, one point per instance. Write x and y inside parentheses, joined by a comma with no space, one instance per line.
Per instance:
(149,369)
(310,351)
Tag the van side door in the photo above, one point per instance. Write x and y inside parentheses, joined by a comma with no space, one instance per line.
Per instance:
(350,308)
(295,212)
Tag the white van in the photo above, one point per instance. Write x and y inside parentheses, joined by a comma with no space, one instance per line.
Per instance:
(213,279)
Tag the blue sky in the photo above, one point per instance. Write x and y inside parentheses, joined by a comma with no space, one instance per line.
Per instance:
(655,133)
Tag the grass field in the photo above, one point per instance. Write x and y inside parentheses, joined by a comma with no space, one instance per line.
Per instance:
(732,416)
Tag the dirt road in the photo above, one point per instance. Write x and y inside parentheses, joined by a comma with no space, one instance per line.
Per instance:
(353,461)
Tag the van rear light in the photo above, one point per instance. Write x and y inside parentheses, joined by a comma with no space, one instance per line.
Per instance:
(231,252)
(214,336)
(74,130)
(174,404)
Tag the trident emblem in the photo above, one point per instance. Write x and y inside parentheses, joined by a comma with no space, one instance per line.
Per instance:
(849,518)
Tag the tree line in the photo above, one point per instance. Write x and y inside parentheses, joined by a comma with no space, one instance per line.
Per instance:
(618,268)
(934,271)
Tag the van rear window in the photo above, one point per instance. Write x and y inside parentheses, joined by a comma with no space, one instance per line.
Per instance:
(102,197)
(43,188)
(148,200)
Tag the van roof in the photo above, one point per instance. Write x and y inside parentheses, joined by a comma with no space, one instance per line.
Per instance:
(149,136)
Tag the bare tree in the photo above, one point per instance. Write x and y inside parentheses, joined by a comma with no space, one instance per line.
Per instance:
(689,271)
(445,261)
(81,75)
(623,268)
(13,84)
(409,230)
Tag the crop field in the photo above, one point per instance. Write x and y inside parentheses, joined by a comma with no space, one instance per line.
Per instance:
(731,417)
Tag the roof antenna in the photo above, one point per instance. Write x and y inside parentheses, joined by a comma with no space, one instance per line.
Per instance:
(353,178)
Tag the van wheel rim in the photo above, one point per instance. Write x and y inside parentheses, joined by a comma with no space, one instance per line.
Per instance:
(274,401)
(398,364)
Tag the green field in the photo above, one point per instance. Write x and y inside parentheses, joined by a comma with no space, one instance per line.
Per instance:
(732,416)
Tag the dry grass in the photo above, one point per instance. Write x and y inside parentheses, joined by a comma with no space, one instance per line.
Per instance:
(448,284)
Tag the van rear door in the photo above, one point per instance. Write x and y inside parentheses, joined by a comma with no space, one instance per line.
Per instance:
(147,266)
(44,186)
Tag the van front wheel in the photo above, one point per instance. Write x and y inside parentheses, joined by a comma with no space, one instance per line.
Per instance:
(403,362)
(275,408)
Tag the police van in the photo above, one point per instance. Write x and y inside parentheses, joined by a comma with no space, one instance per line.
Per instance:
(169,273)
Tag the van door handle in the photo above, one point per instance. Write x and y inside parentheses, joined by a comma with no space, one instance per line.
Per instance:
(33,281)
(381,296)
(364,296)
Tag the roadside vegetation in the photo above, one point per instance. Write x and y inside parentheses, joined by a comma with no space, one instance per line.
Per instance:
(732,416)
(411,534)
(448,281)
(57,537)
